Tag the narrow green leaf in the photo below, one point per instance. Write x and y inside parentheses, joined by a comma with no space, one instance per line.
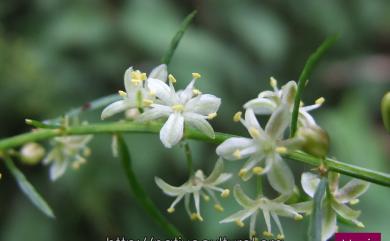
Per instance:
(315,225)
(303,78)
(385,109)
(41,125)
(166,59)
(139,193)
(28,189)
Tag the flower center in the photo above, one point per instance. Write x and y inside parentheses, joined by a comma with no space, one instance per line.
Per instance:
(178,107)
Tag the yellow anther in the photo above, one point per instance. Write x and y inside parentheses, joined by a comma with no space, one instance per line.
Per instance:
(320,101)
(240,223)
(254,132)
(280,236)
(218,207)
(237,154)
(267,234)
(225,193)
(143,76)
(136,81)
(196,75)
(301,104)
(206,198)
(196,92)
(171,79)
(76,165)
(298,217)
(360,225)
(281,150)
(122,93)
(211,115)
(237,116)
(273,82)
(196,217)
(354,201)
(258,170)
(152,93)
(171,210)
(178,107)
(242,172)
(87,151)
(147,102)
(28,121)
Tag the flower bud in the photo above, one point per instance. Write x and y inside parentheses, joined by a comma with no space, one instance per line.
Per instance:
(385,108)
(32,153)
(316,140)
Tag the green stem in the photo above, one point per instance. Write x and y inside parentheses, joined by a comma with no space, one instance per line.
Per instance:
(176,39)
(259,185)
(154,127)
(188,153)
(303,78)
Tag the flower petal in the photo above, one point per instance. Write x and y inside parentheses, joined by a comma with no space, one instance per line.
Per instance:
(222,178)
(168,189)
(345,211)
(351,190)
(172,131)
(116,107)
(160,72)
(203,104)
(288,92)
(240,215)
(261,106)
(198,122)
(162,91)
(303,207)
(242,198)
(127,80)
(329,220)
(280,176)
(309,183)
(278,122)
(156,112)
(57,169)
(186,94)
(231,145)
(217,171)
(251,121)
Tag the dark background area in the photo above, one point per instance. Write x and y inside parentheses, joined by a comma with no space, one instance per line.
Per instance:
(55,55)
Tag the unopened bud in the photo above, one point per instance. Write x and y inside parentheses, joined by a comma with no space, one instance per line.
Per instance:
(316,140)
(385,108)
(32,153)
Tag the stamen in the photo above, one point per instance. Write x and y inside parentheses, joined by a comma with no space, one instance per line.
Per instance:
(211,115)
(280,236)
(237,116)
(147,102)
(225,193)
(298,217)
(196,92)
(240,223)
(281,150)
(242,173)
(218,207)
(196,75)
(206,198)
(171,79)
(171,210)
(122,93)
(354,201)
(87,152)
(360,225)
(273,82)
(143,76)
(320,101)
(76,165)
(254,132)
(258,170)
(267,234)
(178,107)
(301,104)
(152,93)
(196,217)
(237,154)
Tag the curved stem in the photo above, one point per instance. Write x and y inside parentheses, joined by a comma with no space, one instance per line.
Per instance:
(154,127)
(188,153)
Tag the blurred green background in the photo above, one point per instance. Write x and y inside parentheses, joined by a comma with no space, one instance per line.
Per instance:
(55,55)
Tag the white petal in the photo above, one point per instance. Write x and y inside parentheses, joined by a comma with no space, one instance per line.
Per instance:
(251,121)
(345,211)
(309,183)
(217,171)
(280,176)
(288,92)
(57,169)
(240,215)
(242,198)
(198,122)
(303,207)
(203,104)
(222,178)
(305,119)
(168,189)
(278,122)
(277,221)
(116,107)
(127,80)
(172,131)
(352,190)
(162,91)
(187,94)
(267,219)
(252,224)
(329,221)
(160,72)
(228,147)
(261,106)
(156,112)
(197,202)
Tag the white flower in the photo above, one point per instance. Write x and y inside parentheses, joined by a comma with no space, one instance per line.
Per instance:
(197,185)
(335,202)
(184,106)
(137,94)
(265,145)
(67,150)
(268,101)
(270,208)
